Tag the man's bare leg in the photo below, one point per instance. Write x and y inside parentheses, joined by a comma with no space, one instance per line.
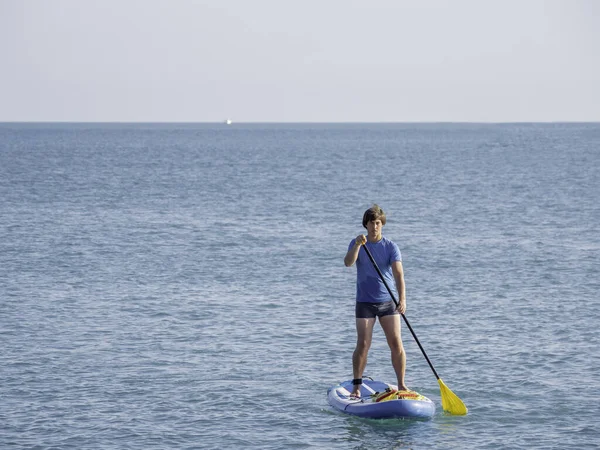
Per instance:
(391,328)
(364,335)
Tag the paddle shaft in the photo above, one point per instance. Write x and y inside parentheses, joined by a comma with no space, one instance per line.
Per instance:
(403,316)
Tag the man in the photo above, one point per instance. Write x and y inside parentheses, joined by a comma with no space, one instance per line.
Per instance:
(372,298)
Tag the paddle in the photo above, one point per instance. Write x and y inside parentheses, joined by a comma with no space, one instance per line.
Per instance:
(450,401)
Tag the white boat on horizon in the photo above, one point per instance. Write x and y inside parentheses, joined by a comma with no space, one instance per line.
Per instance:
(228,122)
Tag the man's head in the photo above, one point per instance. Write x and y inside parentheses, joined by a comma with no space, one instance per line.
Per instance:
(373,213)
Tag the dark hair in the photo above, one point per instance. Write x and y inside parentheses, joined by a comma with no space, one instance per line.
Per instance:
(373,213)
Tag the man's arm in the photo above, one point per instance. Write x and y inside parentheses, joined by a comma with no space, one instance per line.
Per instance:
(398,272)
(352,254)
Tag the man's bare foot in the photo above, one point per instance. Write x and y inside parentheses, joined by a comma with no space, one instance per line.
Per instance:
(355,391)
(402,387)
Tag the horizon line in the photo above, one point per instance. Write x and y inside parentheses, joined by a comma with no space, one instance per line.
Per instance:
(222,122)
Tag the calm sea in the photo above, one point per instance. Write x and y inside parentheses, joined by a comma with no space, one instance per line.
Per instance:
(181,286)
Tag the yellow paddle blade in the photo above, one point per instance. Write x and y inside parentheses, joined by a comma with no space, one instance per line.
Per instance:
(450,401)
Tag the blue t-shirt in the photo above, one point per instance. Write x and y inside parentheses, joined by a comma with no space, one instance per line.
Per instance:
(369,287)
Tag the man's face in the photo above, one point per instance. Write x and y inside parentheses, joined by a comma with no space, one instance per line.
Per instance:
(374,229)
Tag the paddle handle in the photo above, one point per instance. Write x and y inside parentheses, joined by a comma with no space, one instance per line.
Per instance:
(403,316)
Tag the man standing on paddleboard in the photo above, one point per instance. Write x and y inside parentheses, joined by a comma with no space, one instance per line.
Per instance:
(372,298)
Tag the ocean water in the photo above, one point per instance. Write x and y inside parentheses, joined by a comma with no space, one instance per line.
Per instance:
(182,285)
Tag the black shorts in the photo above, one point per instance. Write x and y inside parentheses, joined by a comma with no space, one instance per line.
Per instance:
(366,310)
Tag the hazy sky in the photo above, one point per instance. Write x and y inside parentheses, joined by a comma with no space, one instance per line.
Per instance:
(299,60)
